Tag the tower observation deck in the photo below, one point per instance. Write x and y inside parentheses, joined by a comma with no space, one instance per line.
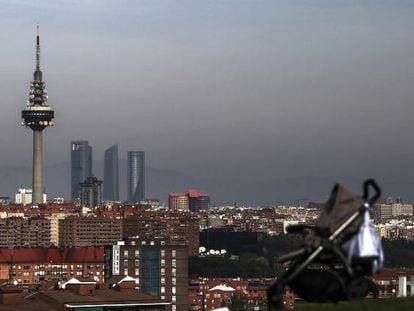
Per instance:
(37,116)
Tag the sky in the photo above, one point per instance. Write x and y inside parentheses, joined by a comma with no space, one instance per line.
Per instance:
(240,90)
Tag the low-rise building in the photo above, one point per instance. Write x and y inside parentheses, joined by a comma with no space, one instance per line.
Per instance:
(24,197)
(89,231)
(395,282)
(215,293)
(79,294)
(192,200)
(33,266)
(25,232)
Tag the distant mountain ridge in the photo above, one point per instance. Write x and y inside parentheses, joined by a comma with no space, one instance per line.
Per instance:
(160,182)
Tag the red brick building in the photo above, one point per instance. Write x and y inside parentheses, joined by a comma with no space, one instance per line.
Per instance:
(78,294)
(43,209)
(175,228)
(89,231)
(31,266)
(388,281)
(192,200)
(25,232)
(216,293)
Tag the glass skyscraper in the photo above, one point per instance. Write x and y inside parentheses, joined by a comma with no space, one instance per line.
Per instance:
(111,174)
(136,176)
(81,166)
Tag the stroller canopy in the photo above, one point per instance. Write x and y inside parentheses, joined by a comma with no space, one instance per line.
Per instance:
(339,207)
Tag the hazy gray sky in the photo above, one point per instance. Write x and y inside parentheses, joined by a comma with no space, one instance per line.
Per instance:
(238,89)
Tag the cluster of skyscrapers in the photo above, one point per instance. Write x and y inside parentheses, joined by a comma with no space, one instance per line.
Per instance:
(86,188)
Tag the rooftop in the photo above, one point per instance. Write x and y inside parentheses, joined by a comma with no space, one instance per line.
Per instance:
(56,255)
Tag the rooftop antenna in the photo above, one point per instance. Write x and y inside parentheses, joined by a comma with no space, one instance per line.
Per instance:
(37,48)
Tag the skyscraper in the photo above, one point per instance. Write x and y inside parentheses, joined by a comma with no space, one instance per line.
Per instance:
(136,176)
(111,174)
(81,166)
(37,116)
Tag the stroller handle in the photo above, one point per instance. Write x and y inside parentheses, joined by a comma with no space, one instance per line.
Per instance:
(371,182)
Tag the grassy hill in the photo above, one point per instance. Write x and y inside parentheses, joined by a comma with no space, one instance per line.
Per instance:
(385,304)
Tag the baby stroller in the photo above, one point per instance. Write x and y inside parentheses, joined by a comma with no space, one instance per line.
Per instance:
(339,253)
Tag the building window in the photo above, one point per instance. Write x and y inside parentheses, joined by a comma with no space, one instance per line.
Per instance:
(173,290)
(126,254)
(162,253)
(125,271)
(163,281)
(136,253)
(162,290)
(173,253)
(162,262)
(174,263)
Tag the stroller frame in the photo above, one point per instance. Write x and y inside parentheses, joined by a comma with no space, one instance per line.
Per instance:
(276,290)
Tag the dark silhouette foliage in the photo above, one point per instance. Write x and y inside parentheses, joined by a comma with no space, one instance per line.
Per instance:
(398,253)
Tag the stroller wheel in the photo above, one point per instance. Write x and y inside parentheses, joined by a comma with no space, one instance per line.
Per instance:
(359,288)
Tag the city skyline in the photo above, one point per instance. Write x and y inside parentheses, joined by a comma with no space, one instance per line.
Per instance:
(256,92)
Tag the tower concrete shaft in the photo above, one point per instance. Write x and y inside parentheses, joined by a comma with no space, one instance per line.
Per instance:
(37,177)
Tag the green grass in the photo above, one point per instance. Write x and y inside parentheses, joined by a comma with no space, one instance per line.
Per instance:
(384,304)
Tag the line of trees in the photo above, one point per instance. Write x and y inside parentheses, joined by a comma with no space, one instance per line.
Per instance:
(398,253)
